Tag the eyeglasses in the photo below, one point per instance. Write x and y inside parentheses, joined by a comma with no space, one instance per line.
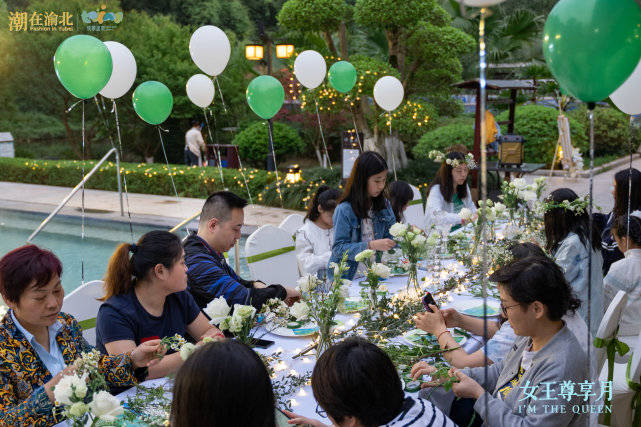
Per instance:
(504,308)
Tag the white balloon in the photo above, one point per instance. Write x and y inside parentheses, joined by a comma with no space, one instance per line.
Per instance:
(310,68)
(480,3)
(628,96)
(210,49)
(388,93)
(123,72)
(200,90)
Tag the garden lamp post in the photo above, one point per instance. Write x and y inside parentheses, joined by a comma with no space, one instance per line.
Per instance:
(255,52)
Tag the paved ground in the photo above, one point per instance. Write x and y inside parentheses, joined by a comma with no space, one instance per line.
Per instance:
(145,208)
(166,210)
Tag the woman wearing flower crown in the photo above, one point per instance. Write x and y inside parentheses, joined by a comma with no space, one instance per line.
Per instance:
(568,237)
(449,193)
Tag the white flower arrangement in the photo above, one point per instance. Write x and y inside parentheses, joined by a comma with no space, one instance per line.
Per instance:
(70,388)
(381,270)
(106,406)
(308,283)
(217,310)
(366,254)
(299,310)
(397,230)
(466,214)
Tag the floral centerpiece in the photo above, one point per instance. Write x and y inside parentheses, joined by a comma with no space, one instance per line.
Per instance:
(242,323)
(84,395)
(323,304)
(413,244)
(375,272)
(518,195)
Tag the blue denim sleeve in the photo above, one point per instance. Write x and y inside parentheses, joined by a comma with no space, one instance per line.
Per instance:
(344,220)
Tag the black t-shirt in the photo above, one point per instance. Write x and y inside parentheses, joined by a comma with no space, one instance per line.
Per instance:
(122,317)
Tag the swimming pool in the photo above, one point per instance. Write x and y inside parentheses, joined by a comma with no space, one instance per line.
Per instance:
(62,236)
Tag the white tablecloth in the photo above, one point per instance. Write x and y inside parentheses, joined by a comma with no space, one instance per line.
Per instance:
(302,399)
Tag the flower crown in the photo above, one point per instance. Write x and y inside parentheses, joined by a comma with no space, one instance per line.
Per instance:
(439,157)
(578,206)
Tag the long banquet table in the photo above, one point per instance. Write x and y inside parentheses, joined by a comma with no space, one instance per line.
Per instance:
(302,399)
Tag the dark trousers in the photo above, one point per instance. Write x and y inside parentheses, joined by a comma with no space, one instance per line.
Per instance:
(190,158)
(463,413)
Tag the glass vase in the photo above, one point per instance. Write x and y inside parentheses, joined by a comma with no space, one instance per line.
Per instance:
(324,337)
(413,284)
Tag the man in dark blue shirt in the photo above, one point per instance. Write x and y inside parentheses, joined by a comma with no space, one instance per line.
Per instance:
(209,275)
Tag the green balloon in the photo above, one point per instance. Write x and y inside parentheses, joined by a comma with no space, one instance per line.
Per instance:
(265,96)
(153,102)
(83,65)
(342,76)
(592,46)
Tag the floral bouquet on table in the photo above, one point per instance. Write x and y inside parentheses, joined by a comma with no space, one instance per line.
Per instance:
(242,323)
(518,196)
(277,312)
(84,397)
(375,272)
(413,244)
(323,304)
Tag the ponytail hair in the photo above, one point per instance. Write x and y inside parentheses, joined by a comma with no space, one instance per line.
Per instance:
(326,198)
(133,261)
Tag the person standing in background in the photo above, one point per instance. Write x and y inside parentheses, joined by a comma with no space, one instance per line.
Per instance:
(194,142)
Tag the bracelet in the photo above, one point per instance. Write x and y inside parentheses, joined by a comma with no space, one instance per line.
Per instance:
(439,335)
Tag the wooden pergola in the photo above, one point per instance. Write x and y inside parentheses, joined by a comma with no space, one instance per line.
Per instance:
(493,85)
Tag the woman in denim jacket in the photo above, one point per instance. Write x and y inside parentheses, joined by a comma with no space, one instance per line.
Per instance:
(363,218)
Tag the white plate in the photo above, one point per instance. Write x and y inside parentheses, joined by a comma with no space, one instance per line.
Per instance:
(306,329)
(474,307)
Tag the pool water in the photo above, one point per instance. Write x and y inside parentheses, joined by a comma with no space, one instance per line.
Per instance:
(62,236)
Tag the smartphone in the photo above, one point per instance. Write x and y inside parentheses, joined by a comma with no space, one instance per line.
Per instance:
(262,343)
(282,418)
(428,300)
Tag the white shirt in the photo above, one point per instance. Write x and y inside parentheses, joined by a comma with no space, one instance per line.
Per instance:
(313,247)
(625,275)
(437,209)
(194,141)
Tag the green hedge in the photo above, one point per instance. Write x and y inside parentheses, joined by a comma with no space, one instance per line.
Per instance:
(611,130)
(141,177)
(253,143)
(459,131)
(538,125)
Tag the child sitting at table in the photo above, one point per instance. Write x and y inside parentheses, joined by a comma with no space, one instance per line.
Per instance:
(223,384)
(356,384)
(400,196)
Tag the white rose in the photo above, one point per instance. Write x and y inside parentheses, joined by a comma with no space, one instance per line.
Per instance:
(465,214)
(499,209)
(307,283)
(362,256)
(381,270)
(105,406)
(235,323)
(186,350)
(224,324)
(244,311)
(78,409)
(518,183)
(217,310)
(299,310)
(398,229)
(64,390)
(528,195)
(419,240)
(410,235)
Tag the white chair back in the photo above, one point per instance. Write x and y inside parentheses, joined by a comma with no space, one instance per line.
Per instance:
(271,257)
(609,324)
(415,214)
(83,304)
(292,223)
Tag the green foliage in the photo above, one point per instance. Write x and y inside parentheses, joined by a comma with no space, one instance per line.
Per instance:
(460,131)
(296,196)
(419,172)
(253,142)
(411,120)
(611,130)
(538,125)
(388,14)
(141,178)
(313,15)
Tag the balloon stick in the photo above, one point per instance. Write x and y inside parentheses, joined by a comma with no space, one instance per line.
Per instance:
(320,128)
(171,177)
(271,148)
(216,151)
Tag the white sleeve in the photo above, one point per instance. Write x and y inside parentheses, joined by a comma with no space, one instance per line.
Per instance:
(436,209)
(309,263)
(468,202)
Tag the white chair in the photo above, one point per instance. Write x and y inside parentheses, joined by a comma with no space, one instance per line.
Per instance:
(292,223)
(83,304)
(609,325)
(415,214)
(622,394)
(271,257)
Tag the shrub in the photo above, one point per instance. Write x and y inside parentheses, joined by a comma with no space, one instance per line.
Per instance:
(459,131)
(253,143)
(538,125)
(141,178)
(611,130)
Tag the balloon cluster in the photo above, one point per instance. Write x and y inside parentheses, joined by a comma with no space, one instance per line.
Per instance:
(593,49)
